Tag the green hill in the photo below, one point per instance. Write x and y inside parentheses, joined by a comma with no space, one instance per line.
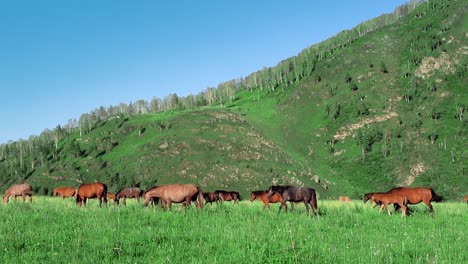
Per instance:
(347,116)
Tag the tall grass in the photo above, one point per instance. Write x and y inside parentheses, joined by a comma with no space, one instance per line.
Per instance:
(53,231)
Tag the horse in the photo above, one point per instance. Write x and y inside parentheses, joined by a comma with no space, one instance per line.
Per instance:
(175,193)
(262,196)
(417,195)
(387,198)
(466,199)
(211,197)
(367,197)
(228,196)
(91,190)
(155,200)
(125,193)
(295,194)
(23,190)
(344,199)
(65,192)
(414,196)
(110,196)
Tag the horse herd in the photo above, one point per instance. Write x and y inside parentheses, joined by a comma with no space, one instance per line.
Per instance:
(185,194)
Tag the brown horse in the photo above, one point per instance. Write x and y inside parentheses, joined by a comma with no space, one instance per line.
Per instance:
(417,195)
(228,196)
(125,193)
(384,199)
(466,199)
(295,194)
(110,196)
(175,193)
(91,190)
(211,197)
(367,197)
(414,196)
(262,196)
(65,192)
(344,199)
(15,190)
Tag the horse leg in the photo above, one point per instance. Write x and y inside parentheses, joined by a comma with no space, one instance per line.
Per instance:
(306,204)
(124,201)
(292,206)
(281,206)
(381,207)
(428,203)
(388,209)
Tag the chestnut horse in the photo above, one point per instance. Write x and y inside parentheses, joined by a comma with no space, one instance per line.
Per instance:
(91,190)
(262,196)
(15,190)
(110,196)
(414,196)
(228,196)
(295,194)
(211,197)
(125,193)
(466,199)
(384,199)
(175,193)
(344,199)
(65,192)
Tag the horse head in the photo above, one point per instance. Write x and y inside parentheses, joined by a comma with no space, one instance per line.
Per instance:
(366,197)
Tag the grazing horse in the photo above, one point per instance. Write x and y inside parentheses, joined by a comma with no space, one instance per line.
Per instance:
(15,190)
(262,196)
(228,196)
(384,199)
(175,193)
(417,195)
(295,194)
(367,197)
(65,192)
(110,196)
(344,199)
(91,190)
(211,197)
(125,193)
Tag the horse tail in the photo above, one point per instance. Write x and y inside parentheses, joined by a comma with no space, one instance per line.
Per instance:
(104,193)
(314,199)
(200,199)
(435,197)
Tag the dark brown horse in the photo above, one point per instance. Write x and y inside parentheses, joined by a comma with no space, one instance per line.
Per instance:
(125,193)
(91,190)
(228,196)
(384,199)
(295,194)
(211,197)
(262,196)
(65,192)
(15,190)
(175,193)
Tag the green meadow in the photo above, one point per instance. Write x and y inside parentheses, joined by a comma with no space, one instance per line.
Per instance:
(54,231)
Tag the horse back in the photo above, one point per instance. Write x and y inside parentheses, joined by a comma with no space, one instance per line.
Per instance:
(414,195)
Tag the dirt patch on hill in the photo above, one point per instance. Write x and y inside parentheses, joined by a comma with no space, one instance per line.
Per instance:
(349,129)
(431,65)
(417,169)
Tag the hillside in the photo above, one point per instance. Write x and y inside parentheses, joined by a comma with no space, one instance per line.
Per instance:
(385,109)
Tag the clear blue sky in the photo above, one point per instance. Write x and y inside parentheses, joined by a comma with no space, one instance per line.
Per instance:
(60,59)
